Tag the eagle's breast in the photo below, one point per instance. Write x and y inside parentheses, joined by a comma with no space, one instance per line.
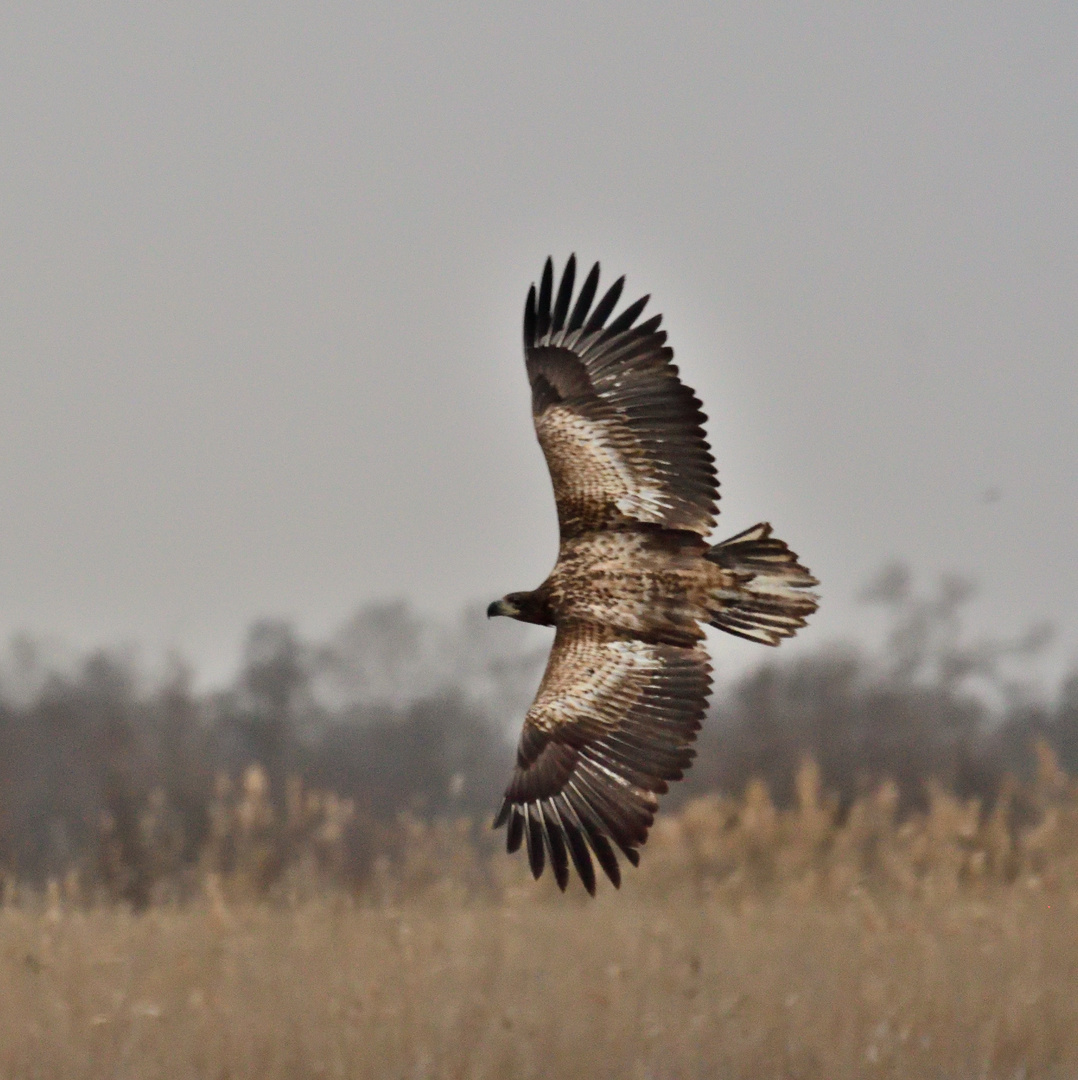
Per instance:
(651,584)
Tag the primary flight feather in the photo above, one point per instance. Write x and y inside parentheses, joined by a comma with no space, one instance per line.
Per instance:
(627,681)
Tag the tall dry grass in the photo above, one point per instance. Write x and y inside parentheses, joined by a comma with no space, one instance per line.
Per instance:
(714,846)
(630,985)
(751,942)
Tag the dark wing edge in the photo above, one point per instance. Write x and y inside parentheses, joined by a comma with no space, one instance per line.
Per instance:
(628,404)
(612,725)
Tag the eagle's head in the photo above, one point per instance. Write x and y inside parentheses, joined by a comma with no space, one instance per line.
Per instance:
(504,606)
(526,606)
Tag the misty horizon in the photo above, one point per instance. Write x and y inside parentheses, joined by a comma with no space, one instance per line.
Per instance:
(261,279)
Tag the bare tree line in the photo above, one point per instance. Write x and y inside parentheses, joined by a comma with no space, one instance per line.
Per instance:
(398,714)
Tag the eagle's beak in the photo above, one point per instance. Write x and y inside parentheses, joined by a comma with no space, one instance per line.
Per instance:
(494,609)
(501,607)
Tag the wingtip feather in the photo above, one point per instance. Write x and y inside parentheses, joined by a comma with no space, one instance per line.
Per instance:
(565,295)
(533,835)
(529,319)
(546,289)
(605,306)
(584,299)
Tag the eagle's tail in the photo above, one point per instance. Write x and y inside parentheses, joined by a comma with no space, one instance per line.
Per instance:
(767,598)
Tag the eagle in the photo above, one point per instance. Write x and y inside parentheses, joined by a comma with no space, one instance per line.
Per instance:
(627,682)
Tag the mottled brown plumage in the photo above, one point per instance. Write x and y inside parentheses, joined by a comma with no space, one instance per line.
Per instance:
(627,682)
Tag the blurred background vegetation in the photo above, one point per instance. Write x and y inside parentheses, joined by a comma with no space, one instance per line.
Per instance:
(343,757)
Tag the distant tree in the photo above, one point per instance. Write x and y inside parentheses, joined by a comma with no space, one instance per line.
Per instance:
(1065,726)
(908,713)
(438,756)
(274,678)
(399,713)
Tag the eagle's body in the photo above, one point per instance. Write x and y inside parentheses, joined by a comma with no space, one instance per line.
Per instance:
(654,584)
(627,682)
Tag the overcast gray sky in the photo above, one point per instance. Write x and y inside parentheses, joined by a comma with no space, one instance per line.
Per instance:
(262,269)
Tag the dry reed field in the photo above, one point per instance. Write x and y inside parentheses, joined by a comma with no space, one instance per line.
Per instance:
(751,943)
(622,987)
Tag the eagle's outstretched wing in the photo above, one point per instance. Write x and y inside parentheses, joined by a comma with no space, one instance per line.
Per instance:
(614,720)
(623,437)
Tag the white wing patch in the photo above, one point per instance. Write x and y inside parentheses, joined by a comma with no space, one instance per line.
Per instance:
(592,459)
(589,676)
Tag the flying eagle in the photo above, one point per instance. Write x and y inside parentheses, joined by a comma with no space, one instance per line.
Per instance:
(626,685)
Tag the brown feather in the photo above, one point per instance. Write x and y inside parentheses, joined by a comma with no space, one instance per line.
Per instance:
(622,435)
(580,773)
(625,689)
